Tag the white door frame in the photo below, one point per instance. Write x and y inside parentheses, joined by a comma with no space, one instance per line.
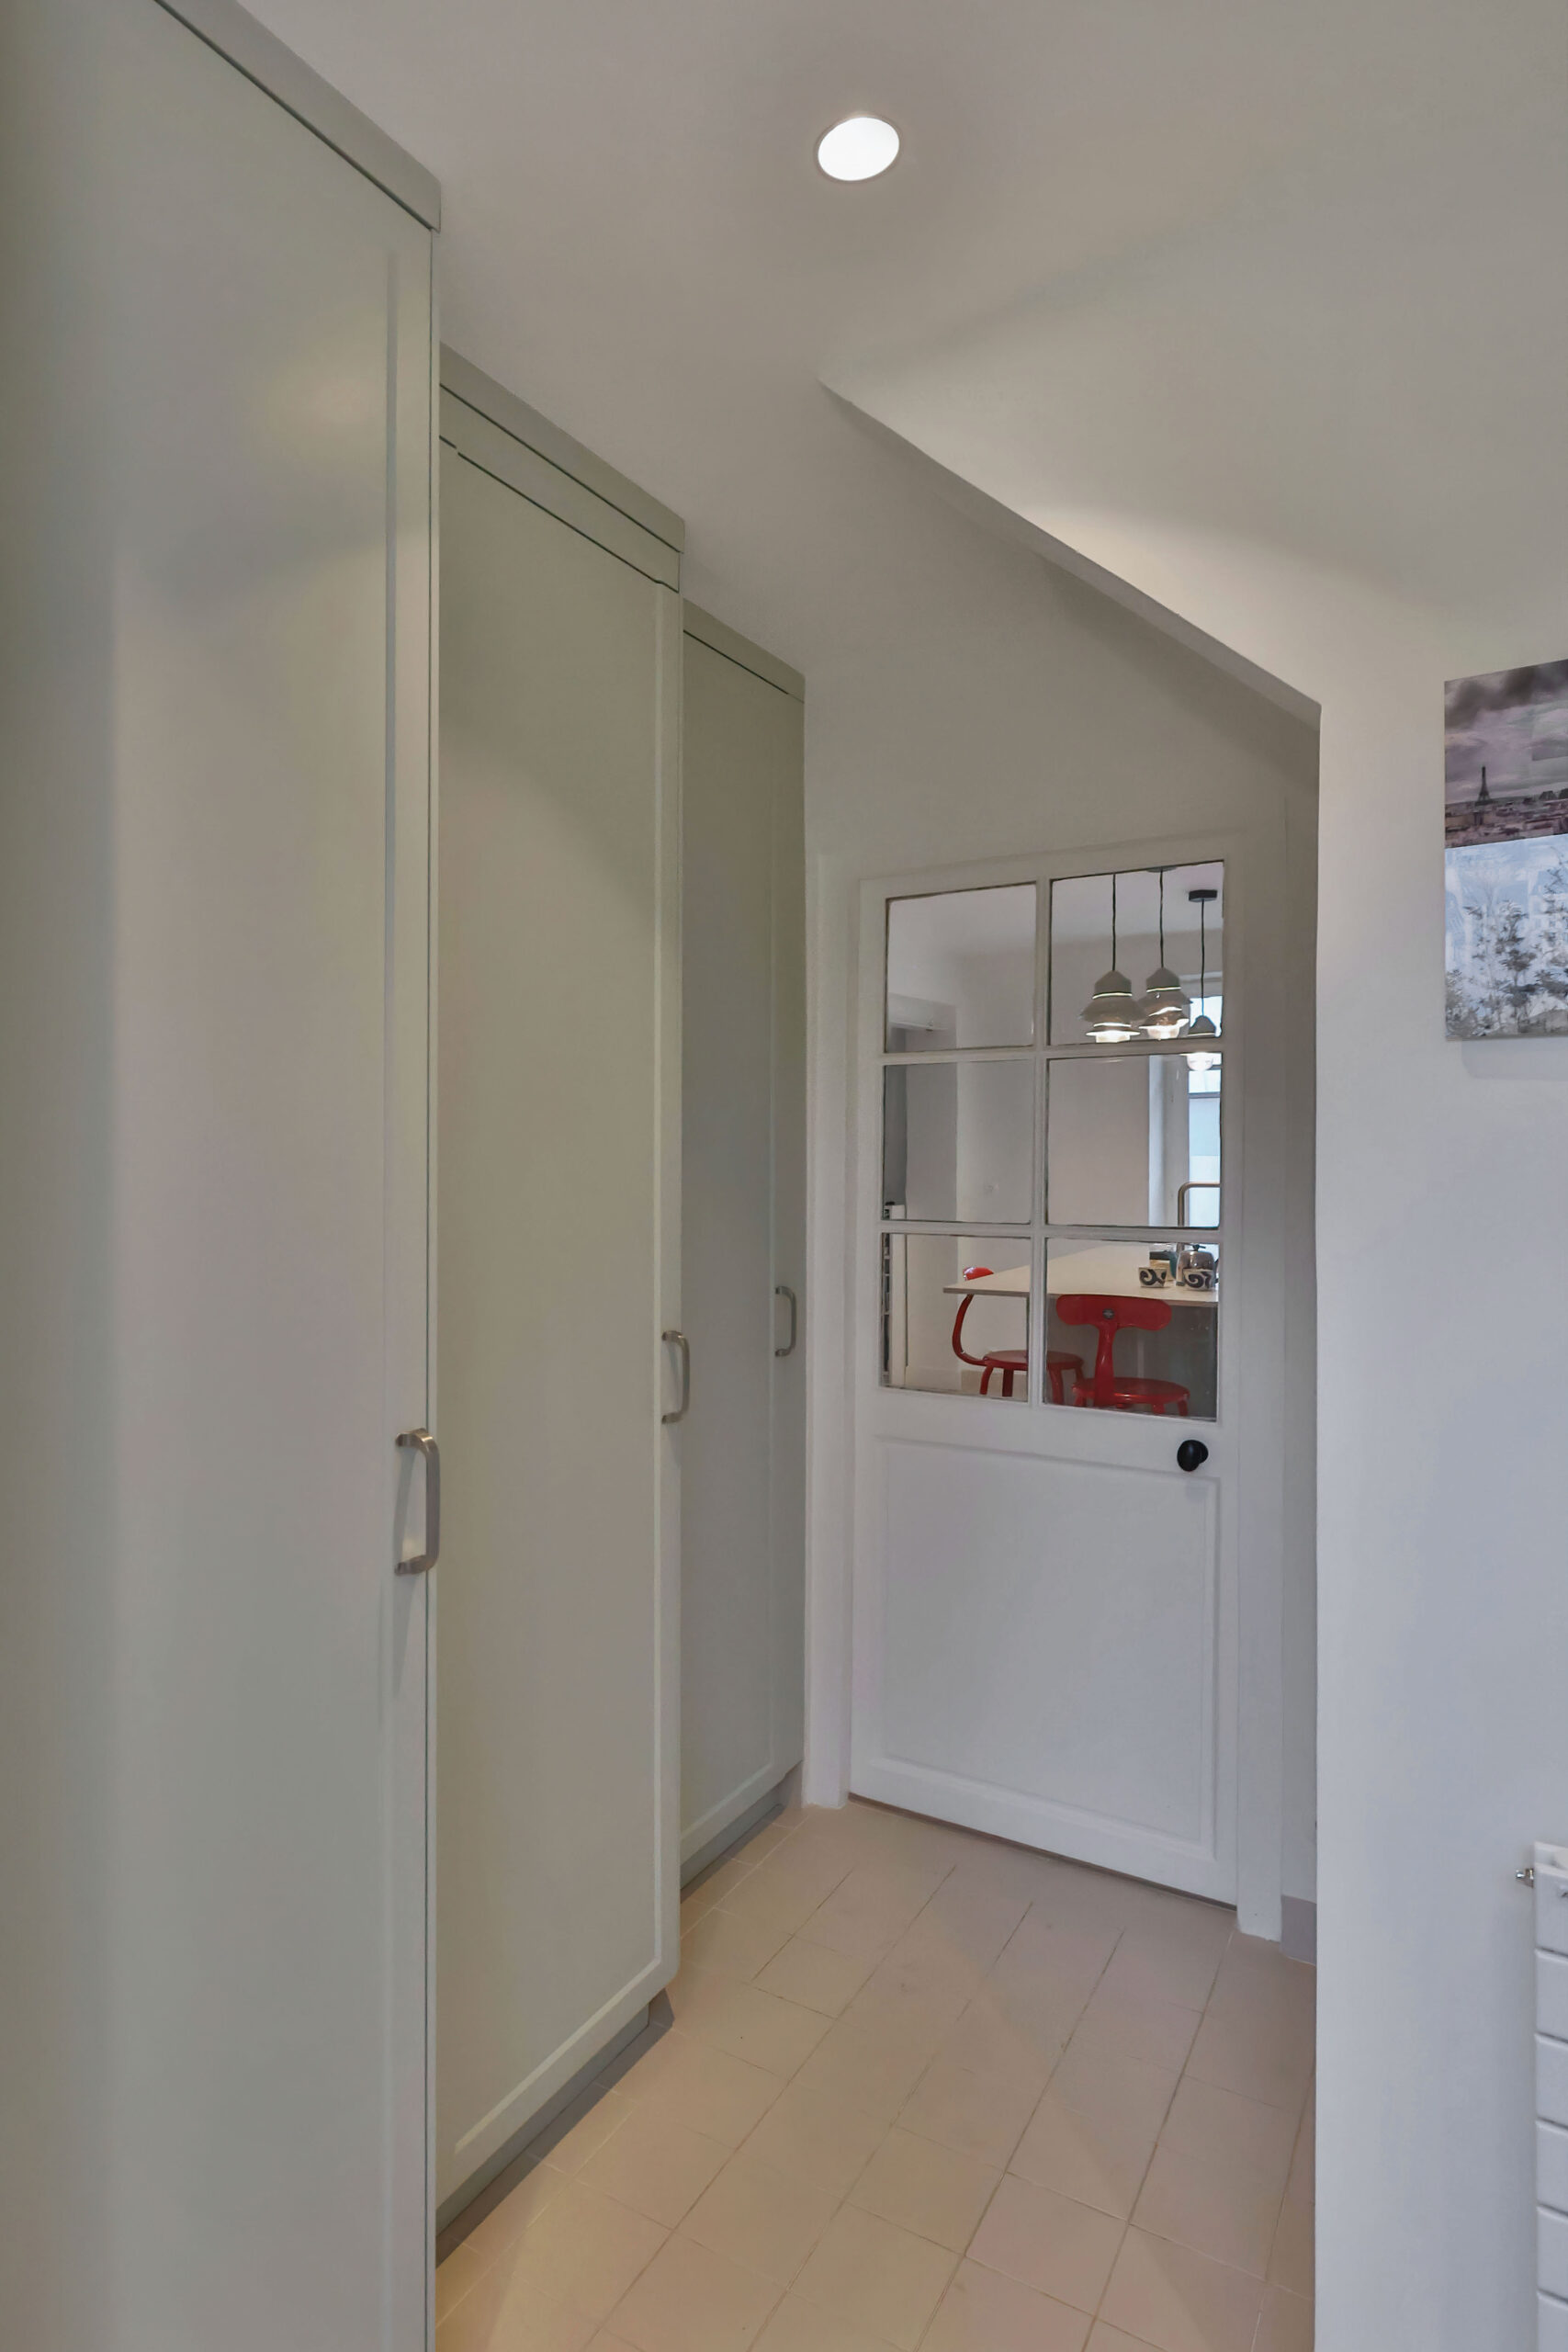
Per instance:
(1252,1669)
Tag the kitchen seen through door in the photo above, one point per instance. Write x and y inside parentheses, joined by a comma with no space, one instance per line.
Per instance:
(1128,1144)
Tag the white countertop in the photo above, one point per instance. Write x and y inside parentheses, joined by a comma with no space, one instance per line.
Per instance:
(1107,1272)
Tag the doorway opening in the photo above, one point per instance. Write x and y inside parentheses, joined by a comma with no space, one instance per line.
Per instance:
(1083,1358)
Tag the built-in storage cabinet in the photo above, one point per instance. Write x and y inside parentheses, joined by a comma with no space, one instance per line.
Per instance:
(557,1245)
(214,912)
(743,1169)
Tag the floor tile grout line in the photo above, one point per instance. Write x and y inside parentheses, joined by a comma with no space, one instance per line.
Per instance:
(1127,2227)
(845,2202)
(671,2230)
(669,2238)
(1143,2179)
(1034,1905)
(785,2083)
(1126,2222)
(722,1903)
(1005,2173)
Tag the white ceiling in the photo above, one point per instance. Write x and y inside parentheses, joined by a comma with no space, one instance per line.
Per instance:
(1191,257)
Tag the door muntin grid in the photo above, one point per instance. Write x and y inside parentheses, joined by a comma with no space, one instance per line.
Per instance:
(1158,1231)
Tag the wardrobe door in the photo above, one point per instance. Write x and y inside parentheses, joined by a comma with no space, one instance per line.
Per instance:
(743,1164)
(213,1030)
(559,1246)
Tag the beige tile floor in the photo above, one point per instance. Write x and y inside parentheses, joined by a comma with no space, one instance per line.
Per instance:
(926,2092)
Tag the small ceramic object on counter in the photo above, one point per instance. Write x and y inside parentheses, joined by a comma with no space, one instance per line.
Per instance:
(1198,1269)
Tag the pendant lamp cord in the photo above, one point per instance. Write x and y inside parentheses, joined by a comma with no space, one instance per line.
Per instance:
(1113,922)
(1203,955)
(1162,918)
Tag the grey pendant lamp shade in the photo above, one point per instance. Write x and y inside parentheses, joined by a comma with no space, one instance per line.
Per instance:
(1163,1010)
(1202,1029)
(1111,1015)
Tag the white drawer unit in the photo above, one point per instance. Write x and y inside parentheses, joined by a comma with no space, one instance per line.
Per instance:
(1552,2095)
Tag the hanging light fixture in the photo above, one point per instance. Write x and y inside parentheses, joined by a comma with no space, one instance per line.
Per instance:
(1202,1026)
(1111,1013)
(1163,1010)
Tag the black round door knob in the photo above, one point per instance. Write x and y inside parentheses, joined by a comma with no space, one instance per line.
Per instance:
(1190,1454)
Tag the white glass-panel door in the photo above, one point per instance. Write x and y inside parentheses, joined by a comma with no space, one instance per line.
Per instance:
(1045,1578)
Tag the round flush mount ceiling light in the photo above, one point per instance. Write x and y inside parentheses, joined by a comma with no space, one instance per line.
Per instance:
(858,149)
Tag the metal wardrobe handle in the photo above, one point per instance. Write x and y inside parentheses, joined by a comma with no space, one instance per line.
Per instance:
(782,1290)
(679,1340)
(421,1442)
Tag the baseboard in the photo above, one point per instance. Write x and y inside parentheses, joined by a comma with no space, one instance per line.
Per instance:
(499,2174)
(735,1833)
(1298,1928)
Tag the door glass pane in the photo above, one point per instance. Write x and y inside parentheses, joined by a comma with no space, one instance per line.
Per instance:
(961,969)
(1133,1140)
(1160,1308)
(1081,946)
(956,1315)
(958,1140)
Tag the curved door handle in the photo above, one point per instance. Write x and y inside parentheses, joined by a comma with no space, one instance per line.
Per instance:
(421,1442)
(679,1340)
(782,1290)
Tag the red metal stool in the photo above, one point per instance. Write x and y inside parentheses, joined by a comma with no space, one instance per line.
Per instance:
(1122,1392)
(1010,1362)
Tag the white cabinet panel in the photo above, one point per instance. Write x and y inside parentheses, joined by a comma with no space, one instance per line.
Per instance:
(558,1241)
(743,1142)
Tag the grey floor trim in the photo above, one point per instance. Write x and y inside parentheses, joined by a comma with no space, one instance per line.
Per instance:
(736,1833)
(468,2206)
(729,1839)
(263,59)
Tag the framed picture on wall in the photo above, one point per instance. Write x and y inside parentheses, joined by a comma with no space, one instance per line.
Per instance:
(1506,852)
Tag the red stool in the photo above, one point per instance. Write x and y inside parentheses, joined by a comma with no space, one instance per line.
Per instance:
(1010,1362)
(1116,1391)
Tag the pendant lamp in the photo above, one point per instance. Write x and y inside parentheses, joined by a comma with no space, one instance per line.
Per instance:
(1202,1026)
(1163,1010)
(1111,1015)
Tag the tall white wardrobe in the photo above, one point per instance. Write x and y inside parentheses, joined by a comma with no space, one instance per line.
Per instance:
(743,1161)
(215,805)
(621,1151)
(558,1250)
